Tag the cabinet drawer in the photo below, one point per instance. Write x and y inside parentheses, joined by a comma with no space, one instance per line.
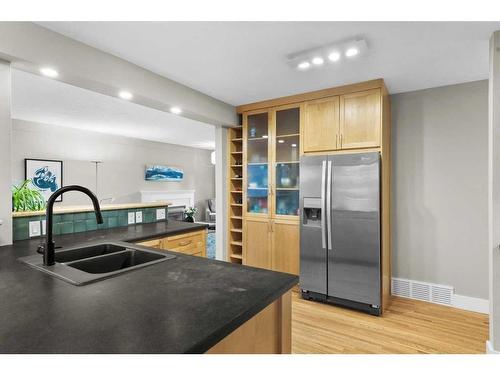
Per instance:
(151,243)
(188,243)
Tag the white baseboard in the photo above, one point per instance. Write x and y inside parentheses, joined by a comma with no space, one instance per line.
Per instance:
(471,303)
(489,348)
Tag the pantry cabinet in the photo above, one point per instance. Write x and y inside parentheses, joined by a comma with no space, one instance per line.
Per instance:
(271,157)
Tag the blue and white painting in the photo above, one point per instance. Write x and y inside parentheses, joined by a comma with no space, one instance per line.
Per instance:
(45,175)
(161,173)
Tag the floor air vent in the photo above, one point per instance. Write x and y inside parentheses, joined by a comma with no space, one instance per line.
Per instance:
(435,293)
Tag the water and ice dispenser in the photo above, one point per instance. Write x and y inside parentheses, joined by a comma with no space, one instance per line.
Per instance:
(311,215)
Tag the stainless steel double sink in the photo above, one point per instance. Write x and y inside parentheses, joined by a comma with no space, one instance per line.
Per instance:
(82,265)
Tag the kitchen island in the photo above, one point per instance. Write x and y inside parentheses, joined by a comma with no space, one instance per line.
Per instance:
(184,305)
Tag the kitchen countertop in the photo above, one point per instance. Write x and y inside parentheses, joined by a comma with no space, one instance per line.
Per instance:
(184,305)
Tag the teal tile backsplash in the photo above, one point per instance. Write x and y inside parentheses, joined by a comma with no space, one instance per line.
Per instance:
(83,221)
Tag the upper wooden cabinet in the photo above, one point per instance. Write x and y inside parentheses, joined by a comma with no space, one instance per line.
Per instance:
(360,119)
(321,127)
(350,121)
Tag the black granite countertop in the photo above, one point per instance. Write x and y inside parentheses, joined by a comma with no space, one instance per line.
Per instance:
(184,305)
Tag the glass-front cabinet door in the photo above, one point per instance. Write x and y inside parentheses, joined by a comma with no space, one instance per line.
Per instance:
(286,155)
(257,163)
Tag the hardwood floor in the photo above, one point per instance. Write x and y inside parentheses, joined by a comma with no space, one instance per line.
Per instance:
(407,327)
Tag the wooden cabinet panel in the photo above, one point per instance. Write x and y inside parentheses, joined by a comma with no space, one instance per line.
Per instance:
(286,246)
(257,247)
(187,243)
(321,127)
(360,119)
(191,243)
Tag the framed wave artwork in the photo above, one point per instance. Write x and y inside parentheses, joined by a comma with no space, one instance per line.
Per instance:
(46,175)
(162,173)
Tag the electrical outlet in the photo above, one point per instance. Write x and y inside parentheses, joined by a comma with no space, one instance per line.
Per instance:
(44,227)
(34,228)
(131,218)
(138,216)
(160,214)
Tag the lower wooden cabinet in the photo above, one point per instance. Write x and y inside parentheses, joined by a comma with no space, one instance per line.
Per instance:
(286,246)
(257,247)
(272,244)
(191,243)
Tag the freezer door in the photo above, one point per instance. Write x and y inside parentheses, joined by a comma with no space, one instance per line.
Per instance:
(313,261)
(354,217)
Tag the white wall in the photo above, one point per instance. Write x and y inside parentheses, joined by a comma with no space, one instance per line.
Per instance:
(124,160)
(440,174)
(5,146)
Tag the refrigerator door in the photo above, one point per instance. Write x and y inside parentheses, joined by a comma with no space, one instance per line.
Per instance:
(313,261)
(354,219)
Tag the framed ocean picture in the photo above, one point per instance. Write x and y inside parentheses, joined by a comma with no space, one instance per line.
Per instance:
(46,175)
(162,173)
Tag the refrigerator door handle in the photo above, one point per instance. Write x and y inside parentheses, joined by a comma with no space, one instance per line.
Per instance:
(323,205)
(329,205)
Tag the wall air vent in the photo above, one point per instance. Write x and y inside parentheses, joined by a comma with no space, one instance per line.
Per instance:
(428,292)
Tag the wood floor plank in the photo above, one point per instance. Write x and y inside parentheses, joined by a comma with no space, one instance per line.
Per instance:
(408,326)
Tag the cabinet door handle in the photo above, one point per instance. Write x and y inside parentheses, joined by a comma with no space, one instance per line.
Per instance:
(185,243)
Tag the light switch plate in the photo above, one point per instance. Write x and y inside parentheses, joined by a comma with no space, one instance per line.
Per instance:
(160,214)
(138,216)
(131,218)
(34,228)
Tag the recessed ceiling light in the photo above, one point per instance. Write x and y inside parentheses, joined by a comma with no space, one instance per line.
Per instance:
(351,52)
(294,145)
(304,65)
(125,95)
(175,110)
(281,141)
(334,56)
(318,60)
(49,72)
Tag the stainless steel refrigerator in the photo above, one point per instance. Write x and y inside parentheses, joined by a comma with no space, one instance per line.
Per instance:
(340,230)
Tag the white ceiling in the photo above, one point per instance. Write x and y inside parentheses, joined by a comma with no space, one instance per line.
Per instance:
(242,62)
(49,101)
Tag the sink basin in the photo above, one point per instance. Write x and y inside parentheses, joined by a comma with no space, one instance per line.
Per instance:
(117,261)
(90,263)
(87,252)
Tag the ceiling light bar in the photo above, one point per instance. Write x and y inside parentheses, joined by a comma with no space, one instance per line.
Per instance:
(49,72)
(331,53)
(127,95)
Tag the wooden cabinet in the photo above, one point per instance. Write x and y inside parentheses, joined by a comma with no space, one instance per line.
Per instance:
(271,156)
(286,246)
(272,244)
(190,243)
(257,243)
(360,119)
(322,125)
(350,121)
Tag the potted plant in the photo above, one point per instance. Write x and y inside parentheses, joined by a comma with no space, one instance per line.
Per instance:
(26,199)
(189,214)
